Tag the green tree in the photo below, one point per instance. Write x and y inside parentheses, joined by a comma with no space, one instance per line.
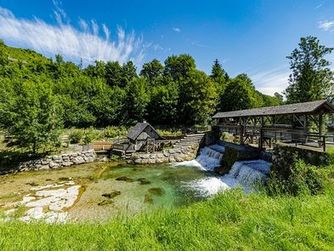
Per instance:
(162,108)
(113,74)
(239,94)
(198,98)
(136,100)
(152,70)
(179,67)
(128,73)
(34,120)
(218,75)
(311,78)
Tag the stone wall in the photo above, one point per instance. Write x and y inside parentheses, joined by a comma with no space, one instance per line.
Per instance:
(309,156)
(57,161)
(179,154)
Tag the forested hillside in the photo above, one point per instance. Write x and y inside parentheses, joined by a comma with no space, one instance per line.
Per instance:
(39,95)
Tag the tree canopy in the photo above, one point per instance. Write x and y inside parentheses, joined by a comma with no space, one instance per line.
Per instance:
(38,95)
(311,78)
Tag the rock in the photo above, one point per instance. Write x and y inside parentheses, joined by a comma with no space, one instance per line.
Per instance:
(112,194)
(54,165)
(78,160)
(44,167)
(151,161)
(171,159)
(144,181)
(124,178)
(157,191)
(138,161)
(67,163)
(45,162)
(105,202)
(171,151)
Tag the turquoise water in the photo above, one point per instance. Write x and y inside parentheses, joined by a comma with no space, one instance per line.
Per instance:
(154,185)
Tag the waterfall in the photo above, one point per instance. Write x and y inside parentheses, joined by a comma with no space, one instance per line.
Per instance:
(209,158)
(245,174)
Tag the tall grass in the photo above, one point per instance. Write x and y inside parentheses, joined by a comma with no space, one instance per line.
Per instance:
(228,221)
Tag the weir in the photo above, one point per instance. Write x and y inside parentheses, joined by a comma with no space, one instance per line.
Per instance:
(246,174)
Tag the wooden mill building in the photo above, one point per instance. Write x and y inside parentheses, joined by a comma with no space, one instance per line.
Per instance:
(143,135)
(300,123)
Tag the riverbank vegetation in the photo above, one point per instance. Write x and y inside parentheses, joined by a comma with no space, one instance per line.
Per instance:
(231,220)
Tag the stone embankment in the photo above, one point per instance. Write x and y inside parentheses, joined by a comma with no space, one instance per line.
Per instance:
(183,150)
(57,161)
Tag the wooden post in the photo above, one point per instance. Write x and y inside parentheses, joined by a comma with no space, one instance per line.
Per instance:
(320,128)
(261,134)
(242,131)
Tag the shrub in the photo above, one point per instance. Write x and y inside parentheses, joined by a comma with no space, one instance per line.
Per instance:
(171,132)
(76,136)
(90,135)
(114,132)
(297,178)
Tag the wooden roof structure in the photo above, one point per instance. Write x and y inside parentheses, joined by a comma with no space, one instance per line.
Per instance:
(290,122)
(313,107)
(135,131)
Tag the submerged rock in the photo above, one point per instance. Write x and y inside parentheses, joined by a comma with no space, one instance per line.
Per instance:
(105,202)
(143,181)
(33,184)
(148,199)
(125,178)
(156,191)
(111,195)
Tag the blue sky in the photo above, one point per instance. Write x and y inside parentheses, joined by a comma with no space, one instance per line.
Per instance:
(252,37)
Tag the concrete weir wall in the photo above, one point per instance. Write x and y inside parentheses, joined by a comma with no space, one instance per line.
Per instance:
(63,160)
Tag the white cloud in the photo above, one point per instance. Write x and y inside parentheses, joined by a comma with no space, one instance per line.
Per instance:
(176,29)
(326,25)
(269,82)
(86,43)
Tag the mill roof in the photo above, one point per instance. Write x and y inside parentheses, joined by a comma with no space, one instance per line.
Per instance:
(135,131)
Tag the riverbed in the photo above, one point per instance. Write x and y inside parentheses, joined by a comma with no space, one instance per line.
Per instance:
(96,192)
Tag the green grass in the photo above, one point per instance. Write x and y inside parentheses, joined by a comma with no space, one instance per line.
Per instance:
(229,221)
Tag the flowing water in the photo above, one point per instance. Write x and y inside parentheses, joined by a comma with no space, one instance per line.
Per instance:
(245,174)
(209,158)
(106,190)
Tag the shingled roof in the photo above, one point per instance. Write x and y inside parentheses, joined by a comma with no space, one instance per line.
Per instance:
(298,108)
(135,131)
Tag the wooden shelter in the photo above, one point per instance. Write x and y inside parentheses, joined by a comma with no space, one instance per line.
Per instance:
(143,135)
(296,123)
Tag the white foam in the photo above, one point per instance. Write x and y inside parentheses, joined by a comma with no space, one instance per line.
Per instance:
(208,159)
(244,174)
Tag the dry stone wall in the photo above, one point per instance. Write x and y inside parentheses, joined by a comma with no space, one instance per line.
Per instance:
(57,161)
(179,154)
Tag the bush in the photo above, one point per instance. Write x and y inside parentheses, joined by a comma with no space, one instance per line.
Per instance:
(171,132)
(298,179)
(90,135)
(76,136)
(114,132)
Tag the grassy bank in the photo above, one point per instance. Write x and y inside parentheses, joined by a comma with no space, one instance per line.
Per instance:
(229,221)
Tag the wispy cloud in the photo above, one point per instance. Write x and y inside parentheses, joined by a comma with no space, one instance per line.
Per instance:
(176,29)
(91,42)
(271,81)
(326,25)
